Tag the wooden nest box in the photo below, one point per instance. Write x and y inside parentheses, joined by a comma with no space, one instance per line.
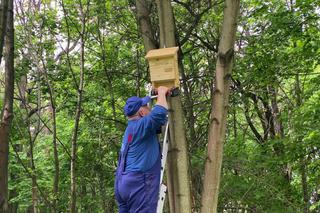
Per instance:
(163,65)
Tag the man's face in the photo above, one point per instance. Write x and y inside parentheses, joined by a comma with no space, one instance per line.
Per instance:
(144,110)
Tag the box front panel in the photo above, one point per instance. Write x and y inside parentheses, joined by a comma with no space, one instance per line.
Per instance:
(161,70)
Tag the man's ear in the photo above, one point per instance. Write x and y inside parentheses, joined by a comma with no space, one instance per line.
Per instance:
(140,112)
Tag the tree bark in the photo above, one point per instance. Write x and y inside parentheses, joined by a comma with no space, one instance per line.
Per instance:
(3,23)
(178,179)
(144,23)
(32,137)
(7,110)
(209,201)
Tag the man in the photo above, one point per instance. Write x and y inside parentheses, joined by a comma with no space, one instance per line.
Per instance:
(138,173)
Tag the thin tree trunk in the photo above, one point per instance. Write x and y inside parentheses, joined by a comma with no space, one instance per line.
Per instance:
(3,23)
(54,139)
(108,75)
(209,201)
(22,87)
(190,121)
(303,163)
(32,137)
(278,127)
(54,132)
(55,153)
(13,193)
(7,110)
(33,180)
(178,175)
(77,116)
(188,99)
(304,175)
(32,141)
(138,75)
(102,189)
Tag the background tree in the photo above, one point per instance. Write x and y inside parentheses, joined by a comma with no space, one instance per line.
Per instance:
(213,164)
(7,108)
(3,23)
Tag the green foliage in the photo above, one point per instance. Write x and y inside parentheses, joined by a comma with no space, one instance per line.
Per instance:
(277,63)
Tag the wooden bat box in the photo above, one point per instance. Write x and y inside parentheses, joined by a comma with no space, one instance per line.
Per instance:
(163,65)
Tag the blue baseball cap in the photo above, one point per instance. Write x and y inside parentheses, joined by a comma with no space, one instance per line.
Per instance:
(134,103)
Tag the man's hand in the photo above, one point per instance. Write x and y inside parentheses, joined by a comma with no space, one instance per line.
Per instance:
(162,92)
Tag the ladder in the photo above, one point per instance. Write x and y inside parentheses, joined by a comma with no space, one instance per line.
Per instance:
(165,147)
(163,188)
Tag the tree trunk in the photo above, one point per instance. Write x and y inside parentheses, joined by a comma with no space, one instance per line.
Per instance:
(33,182)
(209,201)
(3,23)
(54,139)
(7,110)
(77,116)
(55,153)
(178,178)
(303,159)
(145,25)
(178,175)
(304,175)
(22,88)
(108,75)
(32,137)
(188,108)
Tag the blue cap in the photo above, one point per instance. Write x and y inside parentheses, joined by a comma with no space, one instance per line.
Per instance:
(134,103)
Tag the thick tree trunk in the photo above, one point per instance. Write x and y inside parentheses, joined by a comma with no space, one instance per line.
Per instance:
(178,178)
(7,110)
(178,175)
(145,25)
(209,201)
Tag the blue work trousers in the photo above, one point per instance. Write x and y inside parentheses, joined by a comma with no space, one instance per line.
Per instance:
(137,192)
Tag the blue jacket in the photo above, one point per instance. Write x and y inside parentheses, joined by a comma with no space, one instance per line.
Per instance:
(142,138)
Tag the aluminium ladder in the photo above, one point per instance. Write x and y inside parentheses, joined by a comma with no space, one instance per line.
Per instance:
(163,188)
(165,147)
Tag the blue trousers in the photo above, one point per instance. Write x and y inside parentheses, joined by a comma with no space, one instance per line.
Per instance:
(137,192)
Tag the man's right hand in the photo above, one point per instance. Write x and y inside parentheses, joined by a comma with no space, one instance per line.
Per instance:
(162,100)
(163,90)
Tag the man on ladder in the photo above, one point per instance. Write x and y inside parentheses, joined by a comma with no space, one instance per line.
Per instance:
(139,167)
